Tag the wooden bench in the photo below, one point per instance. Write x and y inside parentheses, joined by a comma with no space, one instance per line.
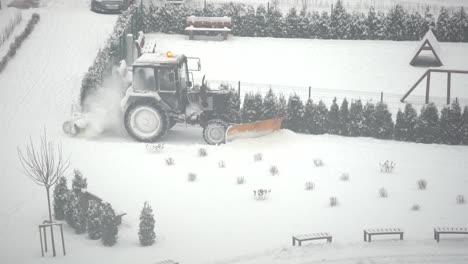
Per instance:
(449,230)
(308,237)
(118,215)
(167,261)
(175,2)
(208,24)
(368,233)
(144,46)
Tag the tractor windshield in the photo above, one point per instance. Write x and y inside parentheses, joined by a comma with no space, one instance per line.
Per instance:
(183,74)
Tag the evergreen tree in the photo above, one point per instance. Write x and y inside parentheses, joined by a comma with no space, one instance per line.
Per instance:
(396,23)
(406,123)
(399,132)
(464,126)
(314,25)
(324,26)
(450,124)
(339,21)
(334,119)
(413,27)
(372,24)
(248,22)
(249,113)
(356,121)
(345,124)
(427,23)
(276,25)
(319,119)
(427,127)
(146,231)
(456,25)
(232,110)
(442,26)
(79,182)
(60,198)
(258,105)
(295,121)
(368,117)
(109,225)
(382,28)
(357,26)
(261,21)
(93,221)
(383,122)
(292,23)
(309,116)
(269,106)
(282,106)
(75,215)
(304,22)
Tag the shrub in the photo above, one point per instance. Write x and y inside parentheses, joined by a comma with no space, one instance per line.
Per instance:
(422,184)
(387,166)
(75,215)
(273,171)
(79,183)
(461,199)
(240,180)
(109,225)
(258,157)
(261,194)
(309,186)
(383,193)
(60,198)
(192,177)
(415,207)
(221,164)
(202,152)
(318,162)
(93,222)
(333,201)
(344,176)
(155,148)
(170,161)
(146,232)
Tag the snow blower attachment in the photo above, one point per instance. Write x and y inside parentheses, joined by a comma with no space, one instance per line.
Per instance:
(162,94)
(254,129)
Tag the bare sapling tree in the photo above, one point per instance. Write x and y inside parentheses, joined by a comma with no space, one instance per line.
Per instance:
(44,164)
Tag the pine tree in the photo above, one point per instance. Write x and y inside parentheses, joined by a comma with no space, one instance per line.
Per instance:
(400,132)
(368,117)
(339,21)
(334,119)
(75,214)
(345,128)
(282,106)
(269,106)
(93,221)
(428,127)
(320,119)
(146,231)
(109,225)
(357,28)
(60,198)
(248,108)
(383,122)
(276,25)
(248,22)
(324,26)
(406,123)
(450,124)
(464,126)
(292,23)
(258,105)
(427,23)
(261,21)
(232,110)
(79,182)
(396,23)
(456,25)
(304,22)
(372,24)
(314,25)
(442,25)
(309,116)
(356,120)
(295,121)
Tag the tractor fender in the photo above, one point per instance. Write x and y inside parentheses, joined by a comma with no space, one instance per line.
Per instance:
(132,96)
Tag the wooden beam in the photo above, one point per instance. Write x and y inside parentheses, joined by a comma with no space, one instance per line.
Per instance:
(449,84)
(414,86)
(428,86)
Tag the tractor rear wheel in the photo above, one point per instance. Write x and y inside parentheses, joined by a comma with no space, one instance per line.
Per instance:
(214,132)
(146,122)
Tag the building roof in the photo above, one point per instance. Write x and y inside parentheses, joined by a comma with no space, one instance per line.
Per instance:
(428,42)
(158,59)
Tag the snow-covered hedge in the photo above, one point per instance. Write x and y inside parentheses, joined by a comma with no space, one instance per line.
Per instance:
(19,40)
(112,49)
(358,120)
(397,24)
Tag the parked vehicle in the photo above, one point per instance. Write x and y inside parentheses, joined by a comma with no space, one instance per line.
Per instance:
(109,6)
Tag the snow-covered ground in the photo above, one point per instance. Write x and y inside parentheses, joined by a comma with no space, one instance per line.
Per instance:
(214,220)
(352,69)
(10,26)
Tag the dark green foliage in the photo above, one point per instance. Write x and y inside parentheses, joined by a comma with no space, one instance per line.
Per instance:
(383,122)
(406,123)
(319,119)
(109,225)
(428,127)
(146,231)
(93,221)
(356,119)
(309,114)
(368,118)
(294,121)
(345,126)
(79,182)
(396,21)
(261,24)
(464,126)
(282,106)
(334,119)
(292,21)
(339,22)
(60,198)
(450,124)
(442,26)
(248,108)
(269,106)
(75,214)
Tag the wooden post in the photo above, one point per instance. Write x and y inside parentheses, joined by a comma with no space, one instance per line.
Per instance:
(45,239)
(40,237)
(63,240)
(239,90)
(381,97)
(310,90)
(449,84)
(428,86)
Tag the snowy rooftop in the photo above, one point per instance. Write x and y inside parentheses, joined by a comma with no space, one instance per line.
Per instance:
(157,59)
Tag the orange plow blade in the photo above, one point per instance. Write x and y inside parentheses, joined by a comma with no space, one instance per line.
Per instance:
(254,129)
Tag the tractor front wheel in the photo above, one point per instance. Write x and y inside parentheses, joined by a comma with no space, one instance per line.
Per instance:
(146,122)
(214,132)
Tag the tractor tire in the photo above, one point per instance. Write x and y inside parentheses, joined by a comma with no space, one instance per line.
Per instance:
(146,122)
(214,132)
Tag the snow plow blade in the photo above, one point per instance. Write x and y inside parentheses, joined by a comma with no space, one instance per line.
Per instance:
(254,129)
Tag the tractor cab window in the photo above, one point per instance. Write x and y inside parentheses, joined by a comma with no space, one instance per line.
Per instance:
(143,79)
(167,80)
(182,71)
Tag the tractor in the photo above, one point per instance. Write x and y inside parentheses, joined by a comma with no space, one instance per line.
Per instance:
(163,94)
